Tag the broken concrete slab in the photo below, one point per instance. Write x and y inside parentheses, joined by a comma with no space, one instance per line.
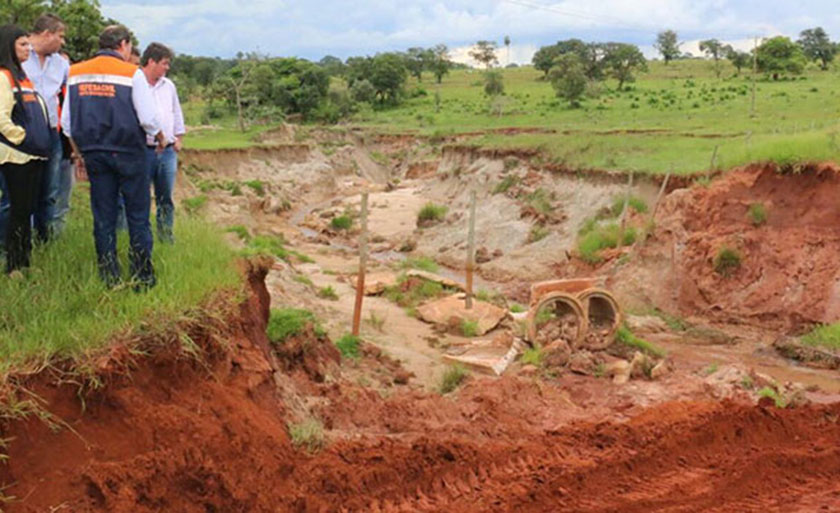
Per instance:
(446,282)
(488,356)
(376,282)
(646,324)
(451,311)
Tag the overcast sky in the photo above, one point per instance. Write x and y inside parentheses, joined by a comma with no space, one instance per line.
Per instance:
(315,28)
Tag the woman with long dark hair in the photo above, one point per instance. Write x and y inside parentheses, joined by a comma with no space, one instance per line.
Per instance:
(24,144)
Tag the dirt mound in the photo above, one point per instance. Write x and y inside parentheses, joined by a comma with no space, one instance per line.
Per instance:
(210,435)
(783,230)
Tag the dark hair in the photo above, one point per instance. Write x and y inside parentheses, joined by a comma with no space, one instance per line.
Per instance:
(8,56)
(113,36)
(156,52)
(135,51)
(47,22)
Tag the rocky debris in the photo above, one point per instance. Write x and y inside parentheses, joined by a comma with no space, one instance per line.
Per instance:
(483,255)
(376,282)
(565,327)
(641,366)
(557,353)
(584,362)
(791,347)
(646,324)
(619,371)
(408,245)
(451,311)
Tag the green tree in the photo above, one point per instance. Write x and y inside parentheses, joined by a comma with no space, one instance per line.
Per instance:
(418,60)
(543,59)
(569,78)
(358,68)
(622,60)
(441,64)
(714,49)
(817,46)
(738,58)
(22,12)
(779,55)
(387,76)
(668,46)
(332,65)
(485,53)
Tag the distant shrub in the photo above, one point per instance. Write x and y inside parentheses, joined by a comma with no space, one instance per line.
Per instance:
(636,203)
(603,237)
(286,322)
(257,186)
(328,292)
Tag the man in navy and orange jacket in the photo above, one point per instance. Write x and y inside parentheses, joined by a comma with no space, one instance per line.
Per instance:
(107,114)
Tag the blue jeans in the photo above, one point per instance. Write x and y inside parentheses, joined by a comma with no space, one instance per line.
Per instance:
(65,190)
(162,168)
(109,174)
(46,213)
(4,212)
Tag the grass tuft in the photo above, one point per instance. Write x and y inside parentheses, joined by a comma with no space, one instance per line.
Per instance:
(431,213)
(727,261)
(328,292)
(626,337)
(287,322)
(603,237)
(452,378)
(349,346)
(757,214)
(308,434)
(532,356)
(469,328)
(342,222)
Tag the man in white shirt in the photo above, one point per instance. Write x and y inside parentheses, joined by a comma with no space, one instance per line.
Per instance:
(48,70)
(163,165)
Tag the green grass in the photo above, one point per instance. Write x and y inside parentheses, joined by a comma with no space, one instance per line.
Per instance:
(349,346)
(779,400)
(287,322)
(241,231)
(432,213)
(267,245)
(633,202)
(505,185)
(342,222)
(626,337)
(538,232)
(452,378)
(517,308)
(469,328)
(757,214)
(670,118)
(302,278)
(603,236)
(62,310)
(328,292)
(826,336)
(532,356)
(308,434)
(258,186)
(195,204)
(727,261)
(421,263)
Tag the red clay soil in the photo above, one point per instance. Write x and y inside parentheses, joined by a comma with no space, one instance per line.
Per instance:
(790,271)
(175,435)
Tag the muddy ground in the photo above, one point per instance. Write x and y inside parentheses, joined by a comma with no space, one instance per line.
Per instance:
(172,432)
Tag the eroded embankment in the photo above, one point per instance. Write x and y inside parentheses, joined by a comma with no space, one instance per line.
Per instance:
(784,231)
(171,433)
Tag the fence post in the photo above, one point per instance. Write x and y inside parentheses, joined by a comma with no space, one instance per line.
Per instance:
(470,253)
(360,279)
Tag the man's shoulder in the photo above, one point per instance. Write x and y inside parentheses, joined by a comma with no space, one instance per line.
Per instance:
(104,65)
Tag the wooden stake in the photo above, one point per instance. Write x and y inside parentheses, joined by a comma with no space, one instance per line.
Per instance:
(360,279)
(661,193)
(470,253)
(712,163)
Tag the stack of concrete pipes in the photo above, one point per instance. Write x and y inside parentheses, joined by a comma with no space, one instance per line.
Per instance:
(587,300)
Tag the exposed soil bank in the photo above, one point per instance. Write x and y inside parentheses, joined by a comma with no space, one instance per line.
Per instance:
(787,274)
(169,433)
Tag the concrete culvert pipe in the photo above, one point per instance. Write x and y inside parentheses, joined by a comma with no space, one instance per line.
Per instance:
(603,317)
(557,316)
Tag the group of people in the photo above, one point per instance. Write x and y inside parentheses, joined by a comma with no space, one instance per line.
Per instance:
(118,125)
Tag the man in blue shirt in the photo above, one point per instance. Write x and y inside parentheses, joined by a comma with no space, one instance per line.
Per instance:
(48,70)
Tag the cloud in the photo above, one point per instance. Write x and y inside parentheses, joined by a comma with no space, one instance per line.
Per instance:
(317,28)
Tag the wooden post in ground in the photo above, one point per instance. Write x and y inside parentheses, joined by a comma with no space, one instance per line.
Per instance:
(712,163)
(624,211)
(470,253)
(662,188)
(360,279)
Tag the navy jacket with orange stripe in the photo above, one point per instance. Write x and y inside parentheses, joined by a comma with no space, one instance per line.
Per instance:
(102,115)
(30,113)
